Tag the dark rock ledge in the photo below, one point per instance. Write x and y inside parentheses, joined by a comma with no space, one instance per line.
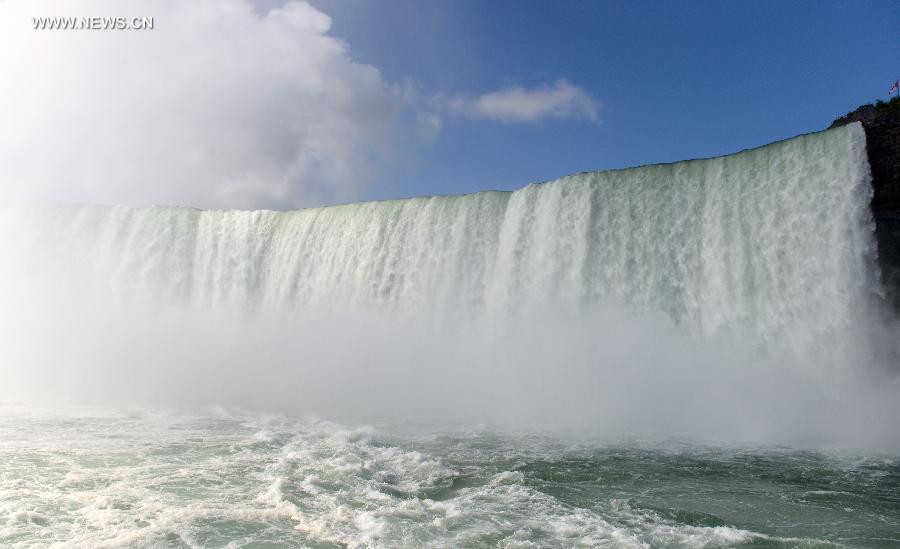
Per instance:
(882,125)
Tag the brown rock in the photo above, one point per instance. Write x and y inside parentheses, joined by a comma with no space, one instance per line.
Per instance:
(882,127)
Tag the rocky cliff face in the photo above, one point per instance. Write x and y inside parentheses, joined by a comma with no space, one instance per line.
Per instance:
(882,126)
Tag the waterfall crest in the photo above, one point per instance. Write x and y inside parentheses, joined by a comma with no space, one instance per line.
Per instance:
(761,241)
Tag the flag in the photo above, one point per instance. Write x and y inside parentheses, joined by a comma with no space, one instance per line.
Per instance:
(895,87)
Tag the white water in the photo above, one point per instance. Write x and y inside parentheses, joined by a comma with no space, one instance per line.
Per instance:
(728,296)
(94,478)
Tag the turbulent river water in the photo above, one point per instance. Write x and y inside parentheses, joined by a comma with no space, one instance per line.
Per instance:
(224,478)
(684,355)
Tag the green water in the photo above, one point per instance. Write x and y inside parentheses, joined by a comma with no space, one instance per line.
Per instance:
(223,478)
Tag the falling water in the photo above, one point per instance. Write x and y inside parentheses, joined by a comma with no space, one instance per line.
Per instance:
(767,242)
(605,359)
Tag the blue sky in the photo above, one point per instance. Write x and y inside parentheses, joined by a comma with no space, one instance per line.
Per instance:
(676,80)
(275,104)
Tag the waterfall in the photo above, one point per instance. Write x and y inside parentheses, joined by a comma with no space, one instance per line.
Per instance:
(727,297)
(761,241)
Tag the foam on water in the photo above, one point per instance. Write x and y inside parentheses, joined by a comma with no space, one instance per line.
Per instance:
(146,478)
(727,299)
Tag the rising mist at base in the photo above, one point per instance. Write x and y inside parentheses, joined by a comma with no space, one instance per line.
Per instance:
(731,300)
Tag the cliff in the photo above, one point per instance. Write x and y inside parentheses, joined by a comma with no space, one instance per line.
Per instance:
(882,126)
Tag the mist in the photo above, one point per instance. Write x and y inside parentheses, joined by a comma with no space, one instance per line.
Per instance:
(218,105)
(608,373)
(667,301)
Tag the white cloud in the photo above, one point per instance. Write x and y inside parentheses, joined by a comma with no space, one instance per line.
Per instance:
(428,126)
(560,100)
(217,106)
